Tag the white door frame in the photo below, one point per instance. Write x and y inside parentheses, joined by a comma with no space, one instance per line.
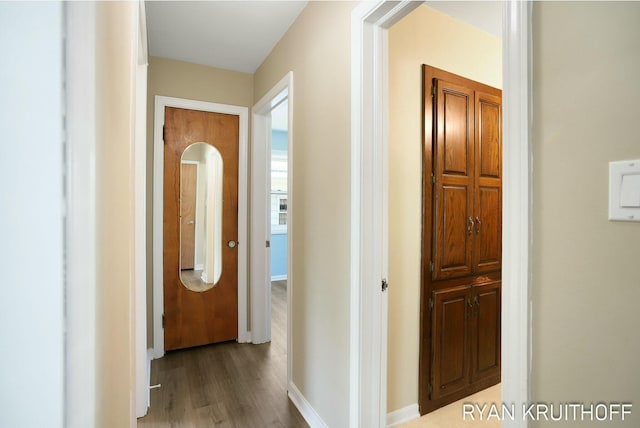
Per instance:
(139,204)
(158,203)
(369,206)
(261,230)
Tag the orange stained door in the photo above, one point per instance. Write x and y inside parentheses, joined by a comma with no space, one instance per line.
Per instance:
(193,318)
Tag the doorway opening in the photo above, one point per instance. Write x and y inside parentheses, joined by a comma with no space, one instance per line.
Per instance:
(369,206)
(277,213)
(271,200)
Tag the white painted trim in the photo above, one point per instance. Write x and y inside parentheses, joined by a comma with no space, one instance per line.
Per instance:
(149,359)
(158,199)
(279,278)
(369,206)
(139,205)
(304,407)
(260,230)
(80,293)
(400,416)
(369,209)
(517,205)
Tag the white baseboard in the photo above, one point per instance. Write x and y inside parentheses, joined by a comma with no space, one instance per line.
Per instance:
(279,278)
(244,337)
(149,359)
(403,415)
(306,410)
(199,267)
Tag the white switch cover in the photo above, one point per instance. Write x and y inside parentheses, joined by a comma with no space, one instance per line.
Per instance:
(624,190)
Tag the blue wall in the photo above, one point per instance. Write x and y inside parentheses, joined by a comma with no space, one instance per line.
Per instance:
(278,255)
(279,140)
(279,240)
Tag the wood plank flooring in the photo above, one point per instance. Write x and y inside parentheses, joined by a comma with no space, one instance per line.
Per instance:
(227,384)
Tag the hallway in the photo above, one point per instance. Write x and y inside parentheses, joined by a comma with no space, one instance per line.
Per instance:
(226,384)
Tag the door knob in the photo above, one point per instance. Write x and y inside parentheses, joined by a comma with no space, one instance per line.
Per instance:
(231,244)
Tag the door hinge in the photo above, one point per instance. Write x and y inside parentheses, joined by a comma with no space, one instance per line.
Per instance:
(433,179)
(268,244)
(162,320)
(430,303)
(433,91)
(431,266)
(163,134)
(385,284)
(430,389)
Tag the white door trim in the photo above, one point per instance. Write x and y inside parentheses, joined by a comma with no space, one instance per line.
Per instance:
(369,186)
(517,205)
(158,201)
(261,230)
(139,204)
(80,188)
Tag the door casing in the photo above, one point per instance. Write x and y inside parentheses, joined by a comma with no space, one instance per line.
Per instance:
(158,200)
(369,185)
(261,230)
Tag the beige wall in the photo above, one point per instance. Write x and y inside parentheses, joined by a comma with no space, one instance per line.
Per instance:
(316,48)
(586,283)
(191,81)
(115,351)
(425,36)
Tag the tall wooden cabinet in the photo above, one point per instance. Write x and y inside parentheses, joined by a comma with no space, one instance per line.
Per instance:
(462,238)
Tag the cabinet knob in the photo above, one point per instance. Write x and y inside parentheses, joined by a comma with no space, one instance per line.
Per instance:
(478,225)
(469,225)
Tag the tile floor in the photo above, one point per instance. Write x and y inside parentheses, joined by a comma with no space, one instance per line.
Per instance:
(451,416)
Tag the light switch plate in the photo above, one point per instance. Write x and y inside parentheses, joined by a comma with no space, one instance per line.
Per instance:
(624,190)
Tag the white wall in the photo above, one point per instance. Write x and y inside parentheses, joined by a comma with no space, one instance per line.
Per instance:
(586,282)
(31,216)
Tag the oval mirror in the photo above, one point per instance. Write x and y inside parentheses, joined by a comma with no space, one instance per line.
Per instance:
(200,217)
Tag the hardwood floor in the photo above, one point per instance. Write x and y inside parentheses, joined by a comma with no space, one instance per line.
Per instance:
(227,384)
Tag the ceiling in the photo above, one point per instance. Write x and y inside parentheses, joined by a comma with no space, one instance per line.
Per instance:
(485,15)
(234,35)
(238,35)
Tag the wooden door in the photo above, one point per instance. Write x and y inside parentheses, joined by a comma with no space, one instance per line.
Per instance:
(485,337)
(197,318)
(462,238)
(488,179)
(450,369)
(188,216)
(454,155)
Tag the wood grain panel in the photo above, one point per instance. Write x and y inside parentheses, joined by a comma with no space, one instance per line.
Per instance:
(489,138)
(450,335)
(453,255)
(194,318)
(462,149)
(455,120)
(486,332)
(488,229)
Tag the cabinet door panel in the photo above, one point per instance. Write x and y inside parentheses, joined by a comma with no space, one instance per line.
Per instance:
(488,184)
(450,368)
(453,168)
(489,138)
(456,134)
(453,247)
(488,229)
(485,342)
